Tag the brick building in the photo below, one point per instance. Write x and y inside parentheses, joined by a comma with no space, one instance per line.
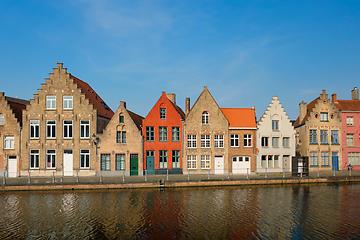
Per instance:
(318,132)
(10,134)
(162,132)
(206,136)
(58,126)
(120,146)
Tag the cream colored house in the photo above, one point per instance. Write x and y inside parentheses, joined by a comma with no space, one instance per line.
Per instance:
(275,139)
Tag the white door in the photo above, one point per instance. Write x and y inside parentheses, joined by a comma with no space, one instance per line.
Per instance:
(68,162)
(286,163)
(240,164)
(12,166)
(219,164)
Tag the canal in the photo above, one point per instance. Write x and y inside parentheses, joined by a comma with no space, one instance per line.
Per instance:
(290,212)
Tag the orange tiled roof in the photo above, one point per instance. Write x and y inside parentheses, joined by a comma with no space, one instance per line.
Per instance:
(309,108)
(348,105)
(103,109)
(240,117)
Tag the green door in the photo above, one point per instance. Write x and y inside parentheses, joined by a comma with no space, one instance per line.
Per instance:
(133,164)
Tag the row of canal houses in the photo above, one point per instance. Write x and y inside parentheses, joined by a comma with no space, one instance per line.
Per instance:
(67,128)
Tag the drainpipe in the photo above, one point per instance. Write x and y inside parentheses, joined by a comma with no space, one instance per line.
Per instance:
(19,154)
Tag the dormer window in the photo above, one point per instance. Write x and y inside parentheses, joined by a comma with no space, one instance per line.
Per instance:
(105,106)
(162,113)
(205,117)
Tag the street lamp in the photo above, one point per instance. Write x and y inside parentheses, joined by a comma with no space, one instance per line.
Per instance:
(96,142)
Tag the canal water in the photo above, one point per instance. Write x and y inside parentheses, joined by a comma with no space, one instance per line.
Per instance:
(290,212)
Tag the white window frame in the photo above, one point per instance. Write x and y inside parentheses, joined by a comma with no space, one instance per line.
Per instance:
(85,128)
(275,142)
(191,162)
(248,140)
(219,140)
(120,161)
(35,129)
(205,141)
(50,102)
(121,137)
(175,159)
(84,158)
(286,142)
(9,142)
(324,117)
(205,117)
(205,162)
(275,125)
(67,129)
(51,158)
(163,159)
(234,140)
(2,119)
(50,129)
(162,113)
(175,134)
(34,159)
(68,102)
(349,121)
(350,139)
(191,140)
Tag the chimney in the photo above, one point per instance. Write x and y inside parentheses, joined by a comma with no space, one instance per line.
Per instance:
(302,111)
(171,97)
(355,94)
(334,98)
(187,106)
(2,94)
(123,104)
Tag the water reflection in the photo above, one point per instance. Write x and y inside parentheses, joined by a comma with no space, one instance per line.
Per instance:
(306,211)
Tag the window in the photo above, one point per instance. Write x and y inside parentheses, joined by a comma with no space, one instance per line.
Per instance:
(34,159)
(34,128)
(8,142)
(353,158)
(275,141)
(176,134)
(324,136)
(264,141)
(50,102)
(162,113)
(51,129)
(350,121)
(163,134)
(150,134)
(205,117)
(205,141)
(350,139)
(163,159)
(191,141)
(334,137)
(121,119)
(68,129)
(50,158)
(205,161)
(324,117)
(263,161)
(324,158)
(119,161)
(247,140)
(84,158)
(68,102)
(313,136)
(2,122)
(276,160)
(286,142)
(104,105)
(313,158)
(84,128)
(105,162)
(275,125)
(219,141)
(176,159)
(234,140)
(121,136)
(191,161)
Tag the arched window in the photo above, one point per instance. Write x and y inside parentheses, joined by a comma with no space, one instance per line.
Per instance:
(205,117)
(1,119)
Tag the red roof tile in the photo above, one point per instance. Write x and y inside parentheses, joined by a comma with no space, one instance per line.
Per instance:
(136,118)
(348,105)
(309,108)
(103,109)
(240,117)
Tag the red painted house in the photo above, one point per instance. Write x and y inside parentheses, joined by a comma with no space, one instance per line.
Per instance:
(162,131)
(350,129)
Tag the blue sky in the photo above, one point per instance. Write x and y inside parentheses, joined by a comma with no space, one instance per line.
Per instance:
(244,51)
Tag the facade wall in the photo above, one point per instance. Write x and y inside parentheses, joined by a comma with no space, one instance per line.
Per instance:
(354,130)
(11,127)
(324,151)
(132,144)
(282,129)
(241,150)
(59,85)
(172,119)
(218,125)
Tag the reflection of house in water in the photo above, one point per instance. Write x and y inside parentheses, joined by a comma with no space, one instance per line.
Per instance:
(349,212)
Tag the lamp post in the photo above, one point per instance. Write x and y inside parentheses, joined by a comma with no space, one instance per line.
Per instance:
(96,142)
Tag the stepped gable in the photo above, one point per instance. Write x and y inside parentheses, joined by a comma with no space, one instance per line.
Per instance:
(240,117)
(17,105)
(103,109)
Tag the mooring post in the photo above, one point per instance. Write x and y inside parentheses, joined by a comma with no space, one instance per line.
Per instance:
(265,172)
(77,176)
(53,177)
(4,179)
(145,175)
(167,174)
(283,172)
(209,174)
(188,175)
(247,173)
(228,173)
(29,178)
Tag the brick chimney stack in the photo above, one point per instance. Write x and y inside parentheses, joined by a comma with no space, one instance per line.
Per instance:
(123,104)
(334,98)
(171,97)
(187,106)
(302,111)
(355,94)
